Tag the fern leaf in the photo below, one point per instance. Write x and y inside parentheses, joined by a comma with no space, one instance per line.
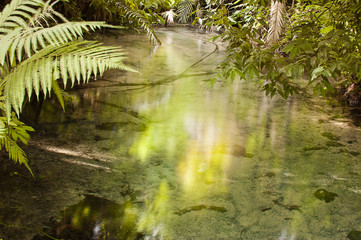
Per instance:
(12,50)
(43,76)
(71,70)
(88,65)
(185,9)
(278,10)
(58,93)
(34,44)
(15,7)
(27,9)
(27,46)
(43,65)
(29,79)
(101,66)
(63,69)
(56,71)
(35,80)
(140,17)
(15,152)
(5,43)
(49,71)
(19,47)
(46,13)
(94,66)
(77,67)
(41,40)
(60,36)
(21,87)
(83,66)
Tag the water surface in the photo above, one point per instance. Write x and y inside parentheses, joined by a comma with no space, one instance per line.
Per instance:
(159,155)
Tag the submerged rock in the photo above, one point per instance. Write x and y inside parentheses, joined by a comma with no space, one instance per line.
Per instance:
(330,136)
(334,144)
(93,218)
(270,174)
(200,207)
(354,235)
(314,148)
(355,154)
(324,195)
(240,151)
(248,155)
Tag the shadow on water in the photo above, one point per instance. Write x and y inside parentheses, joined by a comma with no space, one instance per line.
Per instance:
(94,218)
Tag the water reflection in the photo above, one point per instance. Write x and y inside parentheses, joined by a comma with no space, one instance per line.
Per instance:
(221,163)
(154,217)
(95,218)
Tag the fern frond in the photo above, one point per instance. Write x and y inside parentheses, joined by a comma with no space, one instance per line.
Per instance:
(278,11)
(15,152)
(58,92)
(185,9)
(15,12)
(3,129)
(139,16)
(31,39)
(76,60)
(10,133)
(6,42)
(46,12)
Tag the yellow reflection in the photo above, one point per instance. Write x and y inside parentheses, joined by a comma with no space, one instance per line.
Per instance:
(206,159)
(130,217)
(156,211)
(203,167)
(86,211)
(142,147)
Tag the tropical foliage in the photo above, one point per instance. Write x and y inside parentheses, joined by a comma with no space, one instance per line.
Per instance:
(37,51)
(135,13)
(130,13)
(286,46)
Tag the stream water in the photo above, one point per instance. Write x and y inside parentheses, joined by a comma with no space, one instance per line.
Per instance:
(159,155)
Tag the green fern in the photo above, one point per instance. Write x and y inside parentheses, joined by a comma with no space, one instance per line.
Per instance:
(35,53)
(141,18)
(10,133)
(75,60)
(31,40)
(185,10)
(17,12)
(15,152)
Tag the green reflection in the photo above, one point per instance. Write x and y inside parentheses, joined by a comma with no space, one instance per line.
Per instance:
(96,218)
(154,217)
(221,163)
(226,144)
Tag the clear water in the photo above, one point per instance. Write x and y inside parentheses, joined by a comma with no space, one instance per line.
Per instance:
(159,155)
